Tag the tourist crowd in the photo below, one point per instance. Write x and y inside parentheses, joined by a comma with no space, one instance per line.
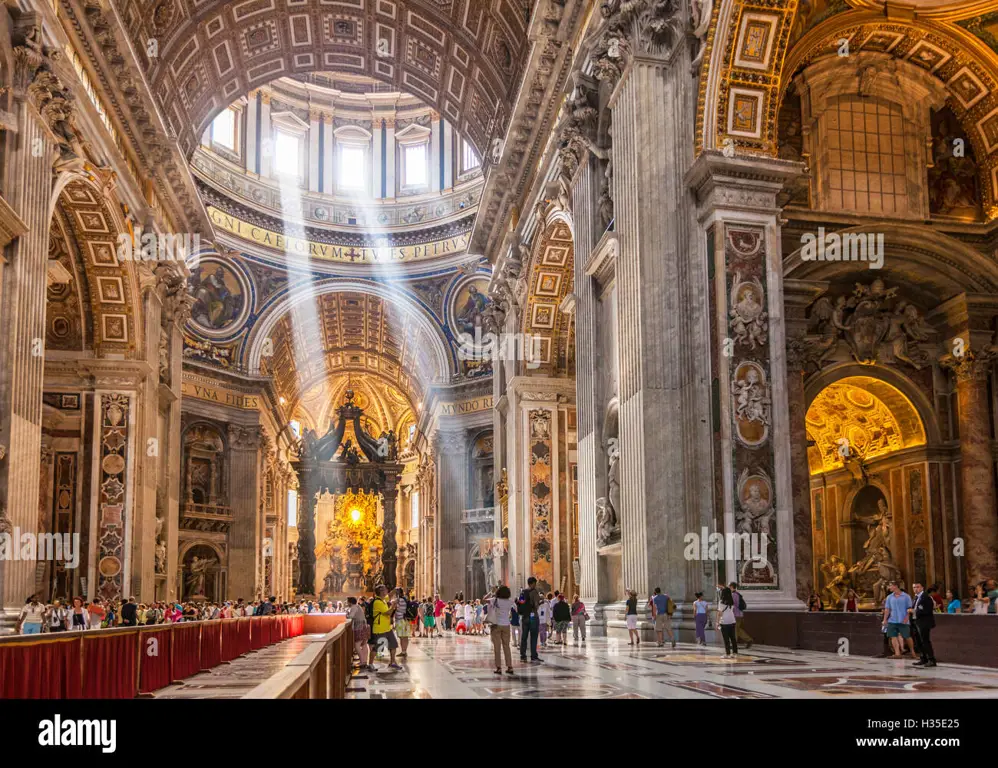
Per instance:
(63,616)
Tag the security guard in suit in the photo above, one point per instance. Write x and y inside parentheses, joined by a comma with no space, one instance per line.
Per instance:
(924,620)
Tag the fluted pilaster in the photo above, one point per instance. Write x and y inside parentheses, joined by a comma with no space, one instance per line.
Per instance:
(451,450)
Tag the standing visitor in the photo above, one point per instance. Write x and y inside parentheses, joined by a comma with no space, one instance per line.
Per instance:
(420,615)
(814,603)
(97,614)
(382,635)
(632,618)
(850,603)
(562,615)
(129,613)
(527,605)
(923,614)
(438,614)
(58,617)
(448,615)
(361,631)
(953,604)
(740,608)
(31,618)
(980,600)
(79,616)
(469,617)
(499,610)
(727,621)
(662,609)
(403,629)
(579,618)
(700,618)
(896,608)
(543,620)
(514,625)
(429,620)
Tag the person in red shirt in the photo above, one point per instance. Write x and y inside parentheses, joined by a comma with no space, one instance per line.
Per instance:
(438,614)
(97,613)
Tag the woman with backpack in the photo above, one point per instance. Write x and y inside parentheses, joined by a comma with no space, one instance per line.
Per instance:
(726,621)
(700,618)
(498,618)
(403,626)
(562,615)
(361,631)
(514,625)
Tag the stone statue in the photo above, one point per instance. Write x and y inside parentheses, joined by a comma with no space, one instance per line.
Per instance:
(160,556)
(159,527)
(748,317)
(878,560)
(613,477)
(606,522)
(835,571)
(200,567)
(701,12)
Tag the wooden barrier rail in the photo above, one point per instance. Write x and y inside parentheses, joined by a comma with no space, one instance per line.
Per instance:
(320,671)
(124,662)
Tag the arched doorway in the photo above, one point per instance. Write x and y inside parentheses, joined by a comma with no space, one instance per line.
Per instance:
(868,457)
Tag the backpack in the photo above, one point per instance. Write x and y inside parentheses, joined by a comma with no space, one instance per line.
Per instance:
(369,613)
(670,607)
(741,602)
(411,609)
(523,603)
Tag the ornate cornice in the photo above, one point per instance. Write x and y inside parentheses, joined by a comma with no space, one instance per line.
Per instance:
(245,438)
(971,366)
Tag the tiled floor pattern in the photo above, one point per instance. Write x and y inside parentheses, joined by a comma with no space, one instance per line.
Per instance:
(461,667)
(237,678)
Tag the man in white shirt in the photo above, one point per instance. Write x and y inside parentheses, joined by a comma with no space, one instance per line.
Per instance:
(469,616)
(543,619)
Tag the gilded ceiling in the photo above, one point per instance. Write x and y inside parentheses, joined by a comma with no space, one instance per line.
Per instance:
(550,277)
(859,416)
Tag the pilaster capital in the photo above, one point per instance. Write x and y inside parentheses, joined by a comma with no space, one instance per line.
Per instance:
(971,366)
(450,442)
(739,183)
(245,438)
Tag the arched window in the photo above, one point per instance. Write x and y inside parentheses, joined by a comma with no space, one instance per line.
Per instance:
(223,129)
(289,161)
(469,158)
(413,143)
(352,158)
(414,506)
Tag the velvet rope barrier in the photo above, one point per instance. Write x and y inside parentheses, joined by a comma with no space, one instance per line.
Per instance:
(245,639)
(155,658)
(110,665)
(186,650)
(211,644)
(230,640)
(42,669)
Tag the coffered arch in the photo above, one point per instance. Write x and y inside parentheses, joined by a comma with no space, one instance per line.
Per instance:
(550,278)
(88,217)
(464,57)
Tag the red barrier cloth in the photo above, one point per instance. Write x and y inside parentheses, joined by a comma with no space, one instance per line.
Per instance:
(230,640)
(281,629)
(155,659)
(245,641)
(186,650)
(46,669)
(268,629)
(109,665)
(257,634)
(298,626)
(211,644)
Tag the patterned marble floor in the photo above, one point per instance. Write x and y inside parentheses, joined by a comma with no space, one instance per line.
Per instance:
(461,667)
(238,677)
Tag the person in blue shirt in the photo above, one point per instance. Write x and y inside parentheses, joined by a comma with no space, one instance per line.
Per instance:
(953,604)
(897,620)
(660,613)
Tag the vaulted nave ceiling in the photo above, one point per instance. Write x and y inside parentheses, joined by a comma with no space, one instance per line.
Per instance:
(349,334)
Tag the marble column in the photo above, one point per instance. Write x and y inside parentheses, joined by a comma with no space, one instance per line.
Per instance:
(252,137)
(27,192)
(389,543)
(664,427)
(266,136)
(802,359)
(451,450)
(739,218)
(314,160)
(585,192)
(978,519)
(244,500)
(435,128)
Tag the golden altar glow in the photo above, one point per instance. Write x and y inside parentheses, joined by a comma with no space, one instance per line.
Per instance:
(355,515)
(873,416)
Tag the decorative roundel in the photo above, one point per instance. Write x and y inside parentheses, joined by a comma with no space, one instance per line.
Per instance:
(467,305)
(222,297)
(109,566)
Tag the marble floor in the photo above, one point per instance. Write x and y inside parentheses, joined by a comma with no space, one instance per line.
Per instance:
(461,667)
